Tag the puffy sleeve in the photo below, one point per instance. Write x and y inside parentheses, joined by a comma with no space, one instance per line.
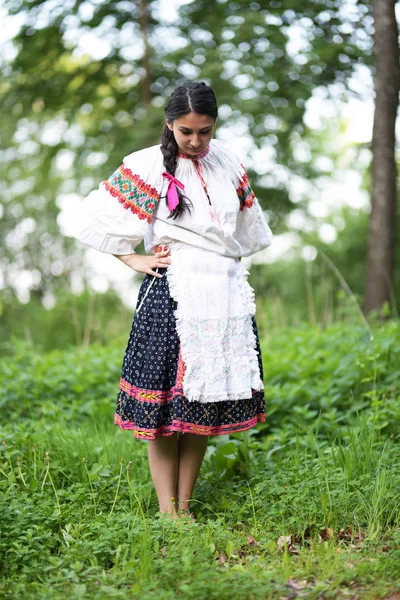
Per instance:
(252,230)
(114,217)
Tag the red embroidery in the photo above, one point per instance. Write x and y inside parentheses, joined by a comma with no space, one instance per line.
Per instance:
(201,155)
(245,193)
(132,192)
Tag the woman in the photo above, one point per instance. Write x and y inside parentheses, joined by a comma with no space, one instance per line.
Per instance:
(192,367)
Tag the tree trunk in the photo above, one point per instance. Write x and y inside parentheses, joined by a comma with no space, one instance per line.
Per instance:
(144,28)
(382,231)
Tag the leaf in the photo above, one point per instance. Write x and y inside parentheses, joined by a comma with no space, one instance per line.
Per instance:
(238,567)
(295,584)
(251,541)
(283,540)
(110,591)
(327,533)
(229,548)
(228,450)
(80,590)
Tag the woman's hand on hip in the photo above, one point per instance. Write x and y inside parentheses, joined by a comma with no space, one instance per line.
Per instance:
(146,264)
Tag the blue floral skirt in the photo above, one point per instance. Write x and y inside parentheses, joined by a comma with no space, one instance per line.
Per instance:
(150,401)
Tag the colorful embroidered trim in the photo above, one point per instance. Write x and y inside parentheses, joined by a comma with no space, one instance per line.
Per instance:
(245,193)
(201,155)
(167,430)
(157,396)
(132,192)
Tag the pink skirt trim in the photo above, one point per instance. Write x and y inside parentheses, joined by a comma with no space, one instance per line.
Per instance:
(183,427)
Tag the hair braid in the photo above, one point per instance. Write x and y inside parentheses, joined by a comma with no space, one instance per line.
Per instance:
(169,148)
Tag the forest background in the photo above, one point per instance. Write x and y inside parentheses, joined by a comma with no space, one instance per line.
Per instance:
(83,84)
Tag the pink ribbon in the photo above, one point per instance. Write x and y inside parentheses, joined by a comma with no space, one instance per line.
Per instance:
(172,192)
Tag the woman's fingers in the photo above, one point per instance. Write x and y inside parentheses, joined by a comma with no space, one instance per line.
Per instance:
(151,272)
(160,260)
(147,264)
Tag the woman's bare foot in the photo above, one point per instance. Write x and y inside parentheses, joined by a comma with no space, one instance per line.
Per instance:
(184,513)
(170,516)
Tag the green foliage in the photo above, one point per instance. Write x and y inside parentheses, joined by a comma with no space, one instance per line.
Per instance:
(74,319)
(322,379)
(69,116)
(325,378)
(326,289)
(63,384)
(244,52)
(304,501)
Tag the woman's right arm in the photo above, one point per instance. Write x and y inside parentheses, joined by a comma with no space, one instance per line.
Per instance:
(114,217)
(146,263)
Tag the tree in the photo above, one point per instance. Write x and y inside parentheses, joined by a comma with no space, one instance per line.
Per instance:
(382,225)
(264,78)
(68,117)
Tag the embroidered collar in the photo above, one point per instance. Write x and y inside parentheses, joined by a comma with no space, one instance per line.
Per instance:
(201,155)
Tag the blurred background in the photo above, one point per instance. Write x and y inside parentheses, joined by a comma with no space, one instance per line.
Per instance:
(298,86)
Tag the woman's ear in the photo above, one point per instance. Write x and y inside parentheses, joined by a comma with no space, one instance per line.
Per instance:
(169,125)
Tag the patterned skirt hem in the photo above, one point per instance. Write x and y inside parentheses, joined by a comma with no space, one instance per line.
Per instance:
(185,427)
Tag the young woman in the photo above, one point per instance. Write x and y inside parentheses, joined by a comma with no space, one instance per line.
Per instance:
(192,367)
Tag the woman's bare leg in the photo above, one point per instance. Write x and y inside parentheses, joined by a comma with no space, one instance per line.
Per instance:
(175,463)
(191,449)
(163,463)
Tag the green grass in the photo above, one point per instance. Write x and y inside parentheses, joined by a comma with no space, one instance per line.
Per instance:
(304,506)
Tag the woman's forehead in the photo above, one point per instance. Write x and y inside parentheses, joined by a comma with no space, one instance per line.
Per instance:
(194,121)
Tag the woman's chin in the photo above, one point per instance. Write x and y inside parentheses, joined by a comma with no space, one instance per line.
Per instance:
(193,152)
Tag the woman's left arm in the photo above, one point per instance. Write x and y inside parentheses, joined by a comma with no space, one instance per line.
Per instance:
(252,230)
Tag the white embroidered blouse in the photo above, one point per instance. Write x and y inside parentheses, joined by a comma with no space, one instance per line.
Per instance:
(130,206)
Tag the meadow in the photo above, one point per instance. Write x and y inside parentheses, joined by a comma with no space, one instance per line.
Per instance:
(306,505)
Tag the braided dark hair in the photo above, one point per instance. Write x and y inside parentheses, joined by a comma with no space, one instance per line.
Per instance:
(194,97)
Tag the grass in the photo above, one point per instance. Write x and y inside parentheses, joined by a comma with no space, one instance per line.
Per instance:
(305,506)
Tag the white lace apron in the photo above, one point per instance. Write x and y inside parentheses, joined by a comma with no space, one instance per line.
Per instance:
(214,324)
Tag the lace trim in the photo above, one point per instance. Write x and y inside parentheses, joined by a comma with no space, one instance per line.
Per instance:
(215,305)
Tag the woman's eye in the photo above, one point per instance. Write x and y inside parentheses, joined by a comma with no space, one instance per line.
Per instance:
(189,132)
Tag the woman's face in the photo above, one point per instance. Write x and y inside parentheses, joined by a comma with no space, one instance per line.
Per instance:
(192,132)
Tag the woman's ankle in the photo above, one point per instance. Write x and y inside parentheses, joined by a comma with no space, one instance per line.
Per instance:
(184,505)
(170,507)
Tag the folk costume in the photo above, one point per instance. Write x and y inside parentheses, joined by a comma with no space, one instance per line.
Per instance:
(193,361)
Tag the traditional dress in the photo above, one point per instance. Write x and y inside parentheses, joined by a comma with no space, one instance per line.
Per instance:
(193,360)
